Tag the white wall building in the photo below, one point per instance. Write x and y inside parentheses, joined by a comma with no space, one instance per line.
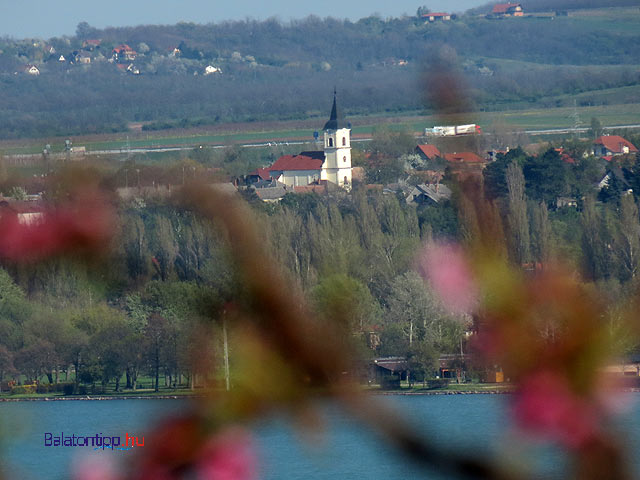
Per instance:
(333,164)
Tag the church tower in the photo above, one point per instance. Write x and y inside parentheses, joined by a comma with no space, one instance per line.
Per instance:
(337,149)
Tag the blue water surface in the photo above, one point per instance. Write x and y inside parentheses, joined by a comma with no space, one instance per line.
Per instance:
(474,424)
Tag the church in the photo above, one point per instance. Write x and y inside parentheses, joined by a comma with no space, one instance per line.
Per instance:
(333,164)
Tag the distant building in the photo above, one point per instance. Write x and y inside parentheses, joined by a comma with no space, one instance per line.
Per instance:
(428,152)
(124,53)
(464,158)
(428,194)
(507,10)
(465,164)
(91,44)
(83,57)
(332,164)
(608,146)
(210,69)
(436,17)
(31,70)
(27,212)
(301,169)
(258,175)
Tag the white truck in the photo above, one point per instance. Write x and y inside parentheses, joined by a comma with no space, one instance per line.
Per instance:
(454,131)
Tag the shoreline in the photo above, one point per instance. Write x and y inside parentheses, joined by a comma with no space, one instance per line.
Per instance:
(99,397)
(505,391)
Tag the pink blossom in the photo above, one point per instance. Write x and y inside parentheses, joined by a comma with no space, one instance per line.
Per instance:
(86,226)
(546,405)
(94,467)
(446,269)
(229,455)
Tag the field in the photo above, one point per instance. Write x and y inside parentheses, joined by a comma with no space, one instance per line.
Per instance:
(248,133)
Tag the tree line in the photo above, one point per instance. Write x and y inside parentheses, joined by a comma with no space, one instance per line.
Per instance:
(530,62)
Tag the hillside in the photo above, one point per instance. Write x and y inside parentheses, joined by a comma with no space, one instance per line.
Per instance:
(259,71)
(559,5)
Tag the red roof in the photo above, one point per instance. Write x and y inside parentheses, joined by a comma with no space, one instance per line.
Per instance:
(566,158)
(463,157)
(124,48)
(310,189)
(297,162)
(504,7)
(615,143)
(263,173)
(440,14)
(429,151)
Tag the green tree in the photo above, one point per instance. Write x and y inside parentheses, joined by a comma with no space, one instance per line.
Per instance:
(517,218)
(613,190)
(495,175)
(595,129)
(6,363)
(340,296)
(545,176)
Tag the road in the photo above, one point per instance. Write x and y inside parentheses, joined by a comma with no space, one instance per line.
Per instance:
(133,151)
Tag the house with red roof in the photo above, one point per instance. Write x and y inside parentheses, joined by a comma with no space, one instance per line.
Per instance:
(507,10)
(428,152)
(608,146)
(436,17)
(91,43)
(332,164)
(298,170)
(124,53)
(259,174)
(465,164)
(464,158)
(565,157)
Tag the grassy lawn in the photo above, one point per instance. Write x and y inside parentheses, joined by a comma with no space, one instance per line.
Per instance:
(541,118)
(110,393)
(451,388)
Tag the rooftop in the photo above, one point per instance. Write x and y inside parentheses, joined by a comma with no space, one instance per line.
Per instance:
(336,120)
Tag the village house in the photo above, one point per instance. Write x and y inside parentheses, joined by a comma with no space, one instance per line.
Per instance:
(91,44)
(31,70)
(608,146)
(465,164)
(124,53)
(210,69)
(428,194)
(27,212)
(428,152)
(464,158)
(507,10)
(259,174)
(436,17)
(435,166)
(332,164)
(83,57)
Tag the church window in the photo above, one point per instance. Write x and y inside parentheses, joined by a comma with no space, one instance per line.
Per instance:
(330,142)
(344,141)
(346,180)
(344,159)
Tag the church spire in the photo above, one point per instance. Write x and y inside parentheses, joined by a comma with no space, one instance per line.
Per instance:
(336,120)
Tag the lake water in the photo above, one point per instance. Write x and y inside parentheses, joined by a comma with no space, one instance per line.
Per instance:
(474,423)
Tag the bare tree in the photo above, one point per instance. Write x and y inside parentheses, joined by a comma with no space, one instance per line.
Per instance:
(541,233)
(627,239)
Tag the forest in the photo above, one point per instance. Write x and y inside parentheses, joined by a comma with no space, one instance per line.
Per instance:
(153,305)
(380,65)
